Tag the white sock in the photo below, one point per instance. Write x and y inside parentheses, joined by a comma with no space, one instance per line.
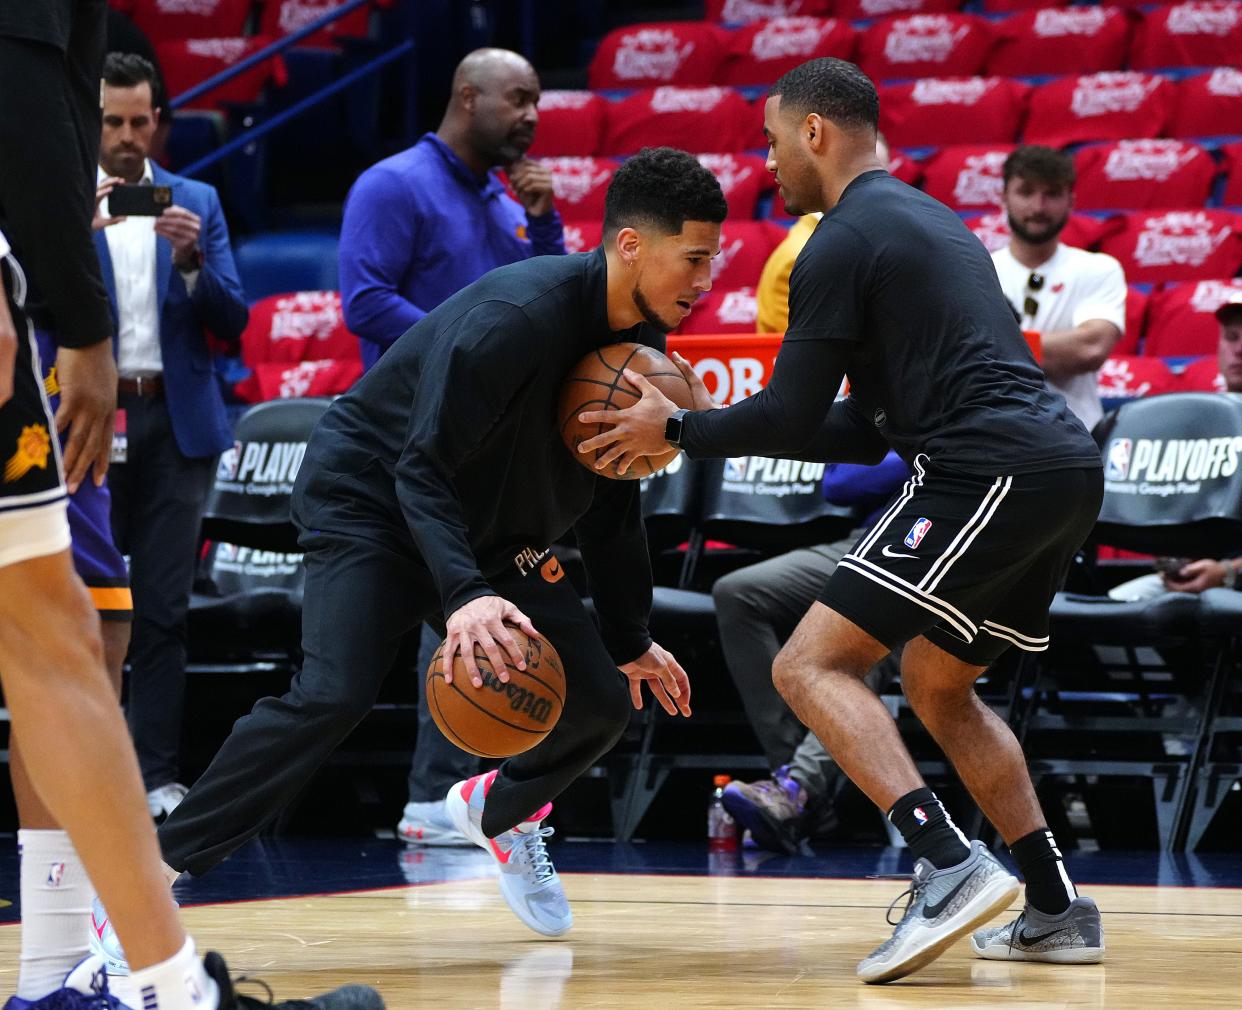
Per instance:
(56,899)
(180,983)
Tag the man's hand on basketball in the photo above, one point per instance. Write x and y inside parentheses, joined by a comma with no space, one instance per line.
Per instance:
(482,621)
(664,676)
(635,431)
(702,399)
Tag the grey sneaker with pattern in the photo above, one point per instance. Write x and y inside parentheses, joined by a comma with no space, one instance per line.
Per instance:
(943,905)
(1076,936)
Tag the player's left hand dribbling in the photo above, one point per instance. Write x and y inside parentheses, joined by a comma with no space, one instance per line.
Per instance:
(664,676)
(633,432)
(482,622)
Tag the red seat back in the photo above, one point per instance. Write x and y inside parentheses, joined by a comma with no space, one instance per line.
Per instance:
(579,185)
(972,110)
(763,51)
(1208,104)
(1232,163)
(742,177)
(1202,376)
(187,62)
(857,10)
(571,123)
(664,52)
(166,20)
(1071,40)
(1136,321)
(583,236)
(1107,106)
(707,120)
(725,311)
(745,11)
(284,17)
(1142,174)
(925,45)
(967,177)
(1198,34)
(1177,245)
(1182,319)
(1082,231)
(744,248)
(1124,377)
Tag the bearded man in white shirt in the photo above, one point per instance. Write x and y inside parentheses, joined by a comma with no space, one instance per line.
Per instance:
(1074,299)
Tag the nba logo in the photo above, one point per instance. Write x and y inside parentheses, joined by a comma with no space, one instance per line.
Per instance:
(917,532)
(230,462)
(55,874)
(1118,462)
(735,468)
(920,815)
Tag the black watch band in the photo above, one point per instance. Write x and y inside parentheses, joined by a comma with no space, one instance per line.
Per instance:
(673,427)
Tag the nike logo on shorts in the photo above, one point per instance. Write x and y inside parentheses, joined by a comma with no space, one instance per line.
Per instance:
(888,552)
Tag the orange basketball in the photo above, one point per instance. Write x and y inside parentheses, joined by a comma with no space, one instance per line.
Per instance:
(499,720)
(596,383)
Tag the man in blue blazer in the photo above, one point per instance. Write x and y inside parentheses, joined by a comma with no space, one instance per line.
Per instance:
(171,281)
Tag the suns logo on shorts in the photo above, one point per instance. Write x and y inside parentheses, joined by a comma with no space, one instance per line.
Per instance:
(33,448)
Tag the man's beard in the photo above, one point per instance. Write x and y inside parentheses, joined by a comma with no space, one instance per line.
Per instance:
(649,313)
(1037,237)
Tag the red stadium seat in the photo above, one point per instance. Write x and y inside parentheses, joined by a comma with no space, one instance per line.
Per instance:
(1108,106)
(1198,34)
(571,123)
(297,345)
(165,20)
(284,17)
(187,62)
(579,185)
(856,10)
(925,45)
(726,311)
(1143,174)
(1073,40)
(745,11)
(906,169)
(744,248)
(1182,245)
(967,177)
(1082,231)
(583,236)
(742,177)
(761,52)
(972,110)
(1012,6)
(1202,376)
(665,52)
(1125,377)
(1181,318)
(1233,183)
(1136,318)
(1208,104)
(706,120)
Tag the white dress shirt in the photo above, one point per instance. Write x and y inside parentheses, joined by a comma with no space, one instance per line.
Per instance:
(1078,285)
(131,244)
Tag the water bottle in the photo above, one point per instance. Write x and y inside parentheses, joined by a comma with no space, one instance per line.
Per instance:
(721,829)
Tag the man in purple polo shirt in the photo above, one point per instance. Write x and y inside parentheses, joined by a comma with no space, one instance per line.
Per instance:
(419,227)
(423,224)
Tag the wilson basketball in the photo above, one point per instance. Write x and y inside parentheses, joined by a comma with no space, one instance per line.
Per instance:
(596,383)
(498,720)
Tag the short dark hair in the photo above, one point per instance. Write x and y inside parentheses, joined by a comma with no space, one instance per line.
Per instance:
(835,89)
(1035,163)
(662,187)
(128,70)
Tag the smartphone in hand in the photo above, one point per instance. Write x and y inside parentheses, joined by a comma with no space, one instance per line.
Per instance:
(128,200)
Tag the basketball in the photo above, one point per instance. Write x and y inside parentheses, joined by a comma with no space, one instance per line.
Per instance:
(498,720)
(596,383)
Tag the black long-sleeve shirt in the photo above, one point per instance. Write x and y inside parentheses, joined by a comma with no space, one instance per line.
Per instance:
(51,61)
(450,444)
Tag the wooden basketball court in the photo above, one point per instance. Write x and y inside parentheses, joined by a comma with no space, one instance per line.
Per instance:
(680,942)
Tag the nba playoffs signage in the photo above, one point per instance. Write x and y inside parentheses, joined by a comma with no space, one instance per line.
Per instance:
(1172,473)
(731,367)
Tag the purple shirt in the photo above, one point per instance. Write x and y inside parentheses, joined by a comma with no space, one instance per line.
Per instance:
(420,226)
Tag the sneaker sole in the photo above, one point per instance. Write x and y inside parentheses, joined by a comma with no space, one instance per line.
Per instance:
(1070,955)
(443,837)
(985,906)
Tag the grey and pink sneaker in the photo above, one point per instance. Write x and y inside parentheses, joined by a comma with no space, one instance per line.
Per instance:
(528,880)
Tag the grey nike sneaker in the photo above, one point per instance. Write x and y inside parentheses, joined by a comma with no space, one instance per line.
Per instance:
(1076,936)
(943,905)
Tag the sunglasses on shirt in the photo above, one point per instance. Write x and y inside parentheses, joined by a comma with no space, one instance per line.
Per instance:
(1035,283)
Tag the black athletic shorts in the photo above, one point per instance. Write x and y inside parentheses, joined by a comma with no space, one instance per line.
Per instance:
(970,562)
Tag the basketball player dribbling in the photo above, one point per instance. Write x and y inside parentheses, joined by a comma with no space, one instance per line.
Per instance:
(432,490)
(893,290)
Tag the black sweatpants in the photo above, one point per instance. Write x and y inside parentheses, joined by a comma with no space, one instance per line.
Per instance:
(361,600)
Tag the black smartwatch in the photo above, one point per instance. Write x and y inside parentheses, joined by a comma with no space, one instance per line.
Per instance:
(673,427)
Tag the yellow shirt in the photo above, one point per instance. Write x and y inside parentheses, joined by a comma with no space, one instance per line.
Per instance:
(773,291)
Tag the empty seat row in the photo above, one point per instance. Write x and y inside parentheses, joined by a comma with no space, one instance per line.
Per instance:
(1201,33)
(928,112)
(171,20)
(742,12)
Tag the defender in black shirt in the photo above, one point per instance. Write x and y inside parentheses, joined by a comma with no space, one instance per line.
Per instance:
(894,292)
(432,490)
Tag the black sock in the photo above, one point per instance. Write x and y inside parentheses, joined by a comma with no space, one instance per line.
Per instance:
(1048,886)
(928,830)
